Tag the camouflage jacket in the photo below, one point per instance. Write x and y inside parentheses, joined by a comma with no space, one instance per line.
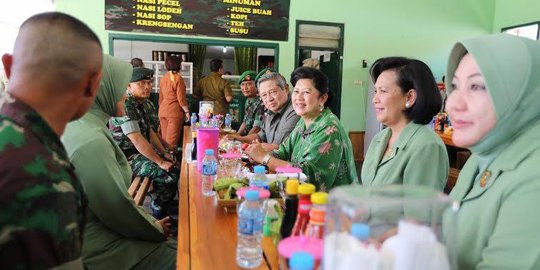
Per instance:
(254,112)
(140,117)
(42,203)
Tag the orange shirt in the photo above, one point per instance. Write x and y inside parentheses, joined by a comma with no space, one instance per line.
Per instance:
(172,96)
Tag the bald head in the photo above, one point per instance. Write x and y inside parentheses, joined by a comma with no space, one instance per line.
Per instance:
(55,67)
(57,49)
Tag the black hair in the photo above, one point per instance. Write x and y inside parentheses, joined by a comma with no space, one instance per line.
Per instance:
(215,65)
(173,63)
(413,74)
(68,22)
(137,62)
(319,79)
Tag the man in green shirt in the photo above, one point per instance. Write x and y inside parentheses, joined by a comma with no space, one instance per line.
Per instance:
(254,107)
(136,135)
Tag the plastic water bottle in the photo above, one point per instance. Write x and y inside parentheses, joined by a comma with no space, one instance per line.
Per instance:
(204,121)
(193,121)
(250,222)
(209,172)
(228,121)
(259,178)
(360,231)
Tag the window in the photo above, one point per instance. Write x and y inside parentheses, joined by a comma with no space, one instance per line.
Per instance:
(529,30)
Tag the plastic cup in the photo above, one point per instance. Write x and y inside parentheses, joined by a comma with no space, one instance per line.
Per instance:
(230,163)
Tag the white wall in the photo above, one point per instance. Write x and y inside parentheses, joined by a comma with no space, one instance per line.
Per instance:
(126,49)
(228,65)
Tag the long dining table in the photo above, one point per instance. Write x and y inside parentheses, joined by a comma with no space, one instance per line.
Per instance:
(206,232)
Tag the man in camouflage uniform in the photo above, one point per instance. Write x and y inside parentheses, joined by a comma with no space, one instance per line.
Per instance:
(254,107)
(54,73)
(136,135)
(216,89)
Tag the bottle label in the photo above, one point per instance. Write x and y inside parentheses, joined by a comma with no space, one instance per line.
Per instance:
(249,226)
(304,207)
(209,168)
(316,216)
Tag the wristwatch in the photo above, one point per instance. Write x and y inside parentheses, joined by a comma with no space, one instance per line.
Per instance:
(266,159)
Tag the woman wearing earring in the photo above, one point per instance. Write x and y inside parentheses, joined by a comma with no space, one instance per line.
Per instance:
(406,152)
(318,144)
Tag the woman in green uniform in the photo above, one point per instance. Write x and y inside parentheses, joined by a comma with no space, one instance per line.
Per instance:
(406,152)
(493,105)
(318,144)
(118,233)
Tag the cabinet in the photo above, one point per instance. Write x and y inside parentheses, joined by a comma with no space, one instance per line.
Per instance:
(162,55)
(160,70)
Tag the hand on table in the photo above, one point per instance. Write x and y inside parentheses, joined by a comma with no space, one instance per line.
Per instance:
(256,152)
(268,147)
(230,137)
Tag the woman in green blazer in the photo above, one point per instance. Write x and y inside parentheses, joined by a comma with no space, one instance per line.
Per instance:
(118,233)
(406,152)
(493,105)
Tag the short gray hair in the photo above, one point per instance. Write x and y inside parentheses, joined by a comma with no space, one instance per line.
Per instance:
(274,76)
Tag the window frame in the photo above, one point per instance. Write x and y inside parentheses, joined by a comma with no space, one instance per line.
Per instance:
(504,29)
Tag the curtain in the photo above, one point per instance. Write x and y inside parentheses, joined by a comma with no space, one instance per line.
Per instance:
(245,58)
(198,52)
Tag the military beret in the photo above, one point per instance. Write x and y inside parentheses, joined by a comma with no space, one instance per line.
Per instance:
(141,73)
(263,72)
(248,75)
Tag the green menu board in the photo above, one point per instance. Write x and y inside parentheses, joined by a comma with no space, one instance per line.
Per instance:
(256,19)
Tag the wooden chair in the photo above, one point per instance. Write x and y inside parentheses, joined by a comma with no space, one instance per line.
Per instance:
(453,174)
(138,189)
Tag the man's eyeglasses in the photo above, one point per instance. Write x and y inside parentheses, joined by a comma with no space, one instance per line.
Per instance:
(274,93)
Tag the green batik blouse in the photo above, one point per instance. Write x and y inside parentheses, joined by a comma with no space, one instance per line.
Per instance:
(323,152)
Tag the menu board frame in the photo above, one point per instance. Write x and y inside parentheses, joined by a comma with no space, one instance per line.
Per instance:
(247,19)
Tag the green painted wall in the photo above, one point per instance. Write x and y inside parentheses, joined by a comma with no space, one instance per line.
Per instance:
(515,12)
(423,29)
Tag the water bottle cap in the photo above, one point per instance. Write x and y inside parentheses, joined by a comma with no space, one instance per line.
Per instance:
(291,186)
(290,245)
(301,261)
(252,195)
(259,169)
(319,198)
(360,231)
(306,189)
(209,152)
(193,113)
(263,193)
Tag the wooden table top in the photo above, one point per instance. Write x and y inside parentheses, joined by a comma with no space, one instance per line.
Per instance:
(206,233)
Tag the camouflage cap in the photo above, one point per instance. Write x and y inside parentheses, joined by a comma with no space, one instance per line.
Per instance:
(264,71)
(248,75)
(141,73)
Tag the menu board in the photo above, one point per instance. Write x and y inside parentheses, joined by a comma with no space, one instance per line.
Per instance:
(256,19)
